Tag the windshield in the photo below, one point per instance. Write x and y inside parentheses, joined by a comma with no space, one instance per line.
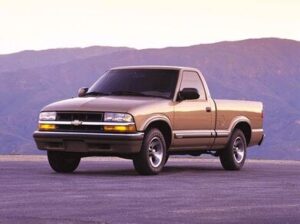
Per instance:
(137,82)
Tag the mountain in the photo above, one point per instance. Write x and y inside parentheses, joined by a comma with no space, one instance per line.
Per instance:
(32,59)
(256,69)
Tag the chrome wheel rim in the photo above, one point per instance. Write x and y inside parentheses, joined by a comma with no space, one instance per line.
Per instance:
(238,150)
(155,150)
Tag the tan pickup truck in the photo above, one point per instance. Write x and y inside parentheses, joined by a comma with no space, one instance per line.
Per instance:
(146,113)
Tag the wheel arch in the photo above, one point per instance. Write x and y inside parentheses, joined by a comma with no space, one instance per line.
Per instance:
(245,127)
(163,125)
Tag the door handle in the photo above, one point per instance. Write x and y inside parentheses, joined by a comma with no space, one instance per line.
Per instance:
(208,109)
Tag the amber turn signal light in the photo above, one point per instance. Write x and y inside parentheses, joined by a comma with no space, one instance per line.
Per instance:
(119,128)
(47,127)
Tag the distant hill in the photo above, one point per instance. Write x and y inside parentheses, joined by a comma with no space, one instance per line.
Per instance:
(32,59)
(267,70)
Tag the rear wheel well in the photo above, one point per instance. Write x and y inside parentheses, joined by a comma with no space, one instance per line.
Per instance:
(246,129)
(165,129)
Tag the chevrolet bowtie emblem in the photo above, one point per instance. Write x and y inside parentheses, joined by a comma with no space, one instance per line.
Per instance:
(76,122)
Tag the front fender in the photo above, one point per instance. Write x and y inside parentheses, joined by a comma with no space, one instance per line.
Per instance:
(157,117)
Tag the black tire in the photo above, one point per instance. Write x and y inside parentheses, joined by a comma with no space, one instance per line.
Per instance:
(167,158)
(234,155)
(63,162)
(151,159)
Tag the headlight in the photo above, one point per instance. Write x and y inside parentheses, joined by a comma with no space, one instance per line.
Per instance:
(118,117)
(47,116)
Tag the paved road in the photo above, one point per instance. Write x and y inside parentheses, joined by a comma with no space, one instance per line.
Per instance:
(188,191)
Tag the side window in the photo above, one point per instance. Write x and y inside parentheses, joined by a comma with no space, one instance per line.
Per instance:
(192,80)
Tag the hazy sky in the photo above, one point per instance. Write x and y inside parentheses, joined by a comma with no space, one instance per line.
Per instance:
(42,24)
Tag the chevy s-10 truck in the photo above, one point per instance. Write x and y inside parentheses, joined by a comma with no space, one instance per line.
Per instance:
(146,113)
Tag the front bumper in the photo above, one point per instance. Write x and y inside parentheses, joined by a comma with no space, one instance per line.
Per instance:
(105,143)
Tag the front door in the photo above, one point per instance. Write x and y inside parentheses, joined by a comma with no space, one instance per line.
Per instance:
(193,121)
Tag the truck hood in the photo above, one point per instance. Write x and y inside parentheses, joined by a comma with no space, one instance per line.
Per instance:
(102,103)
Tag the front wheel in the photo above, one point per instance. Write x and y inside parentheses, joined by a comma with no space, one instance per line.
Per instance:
(234,155)
(63,162)
(152,157)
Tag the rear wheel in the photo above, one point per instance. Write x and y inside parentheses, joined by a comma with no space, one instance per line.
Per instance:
(234,155)
(151,159)
(63,162)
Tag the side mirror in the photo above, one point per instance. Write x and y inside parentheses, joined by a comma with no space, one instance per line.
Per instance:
(82,91)
(188,94)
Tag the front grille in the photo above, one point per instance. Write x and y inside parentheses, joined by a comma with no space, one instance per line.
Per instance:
(81,116)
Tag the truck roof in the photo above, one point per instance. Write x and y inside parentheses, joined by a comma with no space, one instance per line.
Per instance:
(154,67)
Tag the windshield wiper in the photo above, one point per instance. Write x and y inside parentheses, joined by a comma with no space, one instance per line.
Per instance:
(127,93)
(95,93)
(132,93)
